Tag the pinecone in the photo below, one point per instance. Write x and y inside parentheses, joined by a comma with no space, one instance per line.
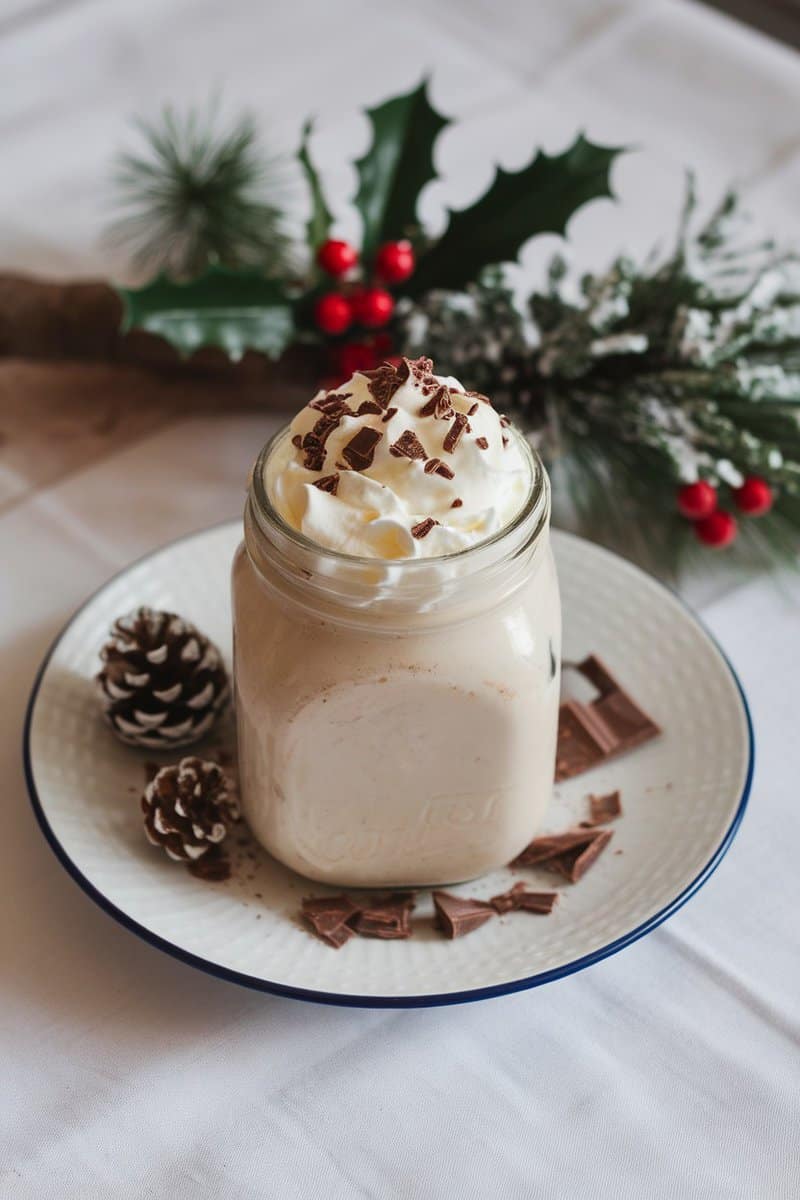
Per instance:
(188,808)
(162,683)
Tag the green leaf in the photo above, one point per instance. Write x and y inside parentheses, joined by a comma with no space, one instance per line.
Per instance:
(397,166)
(235,310)
(319,223)
(519,205)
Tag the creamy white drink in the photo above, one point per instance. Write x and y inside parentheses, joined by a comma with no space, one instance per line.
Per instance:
(397,635)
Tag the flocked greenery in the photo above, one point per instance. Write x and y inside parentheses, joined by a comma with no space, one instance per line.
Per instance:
(645,377)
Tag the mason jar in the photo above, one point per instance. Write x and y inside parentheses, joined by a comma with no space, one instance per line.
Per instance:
(396,719)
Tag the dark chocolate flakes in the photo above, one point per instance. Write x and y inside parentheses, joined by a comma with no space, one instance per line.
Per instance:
(454,433)
(423,528)
(408,445)
(360,450)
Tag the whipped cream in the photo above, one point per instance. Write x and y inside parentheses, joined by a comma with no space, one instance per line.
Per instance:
(398,463)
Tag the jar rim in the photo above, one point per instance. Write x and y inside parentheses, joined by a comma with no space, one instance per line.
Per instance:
(266,514)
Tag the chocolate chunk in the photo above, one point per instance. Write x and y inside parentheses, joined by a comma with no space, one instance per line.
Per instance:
(457,917)
(603,809)
(423,528)
(386,379)
(408,445)
(368,406)
(333,405)
(519,899)
(360,450)
(454,433)
(439,405)
(482,443)
(457,503)
(328,483)
(608,726)
(387,918)
(571,853)
(387,416)
(297,441)
(328,916)
(436,466)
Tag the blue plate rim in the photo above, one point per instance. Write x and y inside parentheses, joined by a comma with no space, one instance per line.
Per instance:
(348,1000)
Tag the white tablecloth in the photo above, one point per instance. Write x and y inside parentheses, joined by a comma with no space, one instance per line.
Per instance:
(671,1070)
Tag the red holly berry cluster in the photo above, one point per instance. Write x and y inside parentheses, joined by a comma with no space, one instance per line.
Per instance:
(370,306)
(714,526)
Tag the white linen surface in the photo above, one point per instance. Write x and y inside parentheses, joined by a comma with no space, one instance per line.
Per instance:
(670,1070)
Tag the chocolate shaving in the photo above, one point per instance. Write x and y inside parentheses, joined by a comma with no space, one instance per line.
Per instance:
(479,396)
(610,725)
(439,405)
(453,436)
(297,441)
(387,918)
(333,405)
(328,483)
(386,379)
(436,465)
(457,503)
(482,443)
(360,450)
(328,916)
(603,809)
(457,917)
(471,411)
(387,416)
(408,445)
(368,406)
(519,899)
(505,441)
(571,853)
(423,528)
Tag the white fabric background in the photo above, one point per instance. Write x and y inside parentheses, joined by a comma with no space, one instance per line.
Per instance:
(669,1071)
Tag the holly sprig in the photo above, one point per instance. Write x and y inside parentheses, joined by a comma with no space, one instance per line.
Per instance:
(347,295)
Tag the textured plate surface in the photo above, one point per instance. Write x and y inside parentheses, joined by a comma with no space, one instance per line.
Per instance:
(683,797)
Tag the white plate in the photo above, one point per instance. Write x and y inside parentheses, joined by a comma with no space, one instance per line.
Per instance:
(683,795)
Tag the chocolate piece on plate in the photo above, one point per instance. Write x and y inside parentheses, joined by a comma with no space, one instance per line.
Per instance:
(519,899)
(607,726)
(386,918)
(328,916)
(603,809)
(360,450)
(571,852)
(457,917)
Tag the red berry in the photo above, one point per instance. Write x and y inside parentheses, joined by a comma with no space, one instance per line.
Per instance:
(373,307)
(697,500)
(337,258)
(754,497)
(356,356)
(333,313)
(719,529)
(395,261)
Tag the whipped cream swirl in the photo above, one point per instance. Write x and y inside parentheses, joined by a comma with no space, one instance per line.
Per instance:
(398,463)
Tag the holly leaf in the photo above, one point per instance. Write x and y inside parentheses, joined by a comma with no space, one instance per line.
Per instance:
(397,165)
(319,223)
(540,198)
(235,310)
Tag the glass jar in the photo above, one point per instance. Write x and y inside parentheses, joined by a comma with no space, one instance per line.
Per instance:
(396,720)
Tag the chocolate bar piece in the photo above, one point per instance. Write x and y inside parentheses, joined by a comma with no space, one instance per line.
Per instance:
(609,725)
(457,917)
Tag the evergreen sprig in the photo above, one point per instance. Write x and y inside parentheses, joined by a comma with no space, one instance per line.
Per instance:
(198,196)
(644,378)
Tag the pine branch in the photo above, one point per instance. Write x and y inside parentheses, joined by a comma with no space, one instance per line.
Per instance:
(195,196)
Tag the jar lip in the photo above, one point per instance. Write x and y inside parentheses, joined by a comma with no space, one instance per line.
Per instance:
(266,514)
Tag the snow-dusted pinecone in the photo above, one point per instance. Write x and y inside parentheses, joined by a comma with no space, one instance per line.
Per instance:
(188,808)
(162,682)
